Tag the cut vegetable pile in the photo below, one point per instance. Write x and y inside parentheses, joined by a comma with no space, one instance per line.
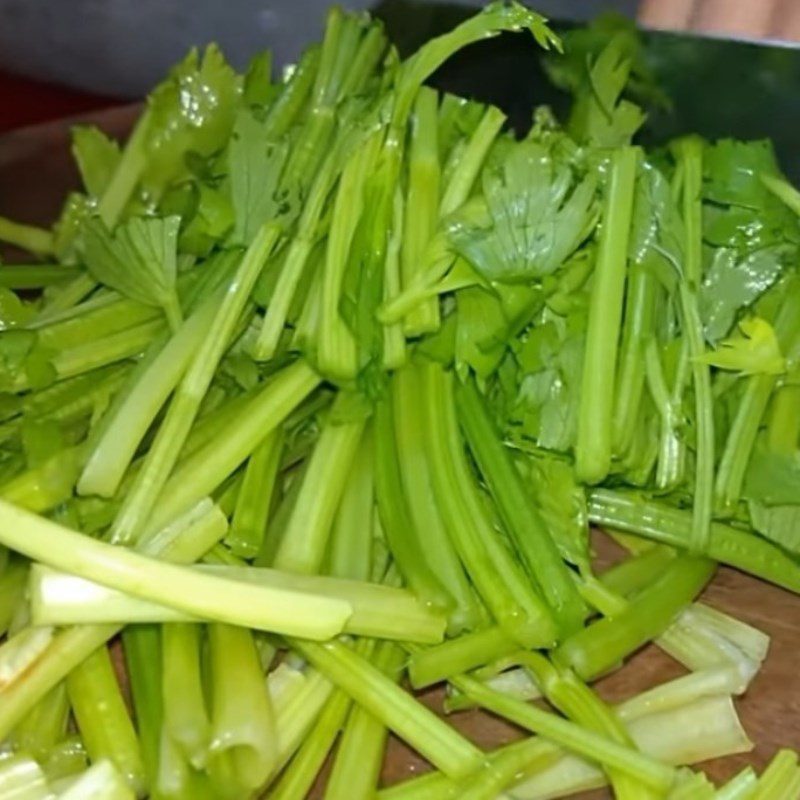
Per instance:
(312,394)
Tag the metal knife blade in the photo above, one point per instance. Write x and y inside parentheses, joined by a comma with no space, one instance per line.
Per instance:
(719,87)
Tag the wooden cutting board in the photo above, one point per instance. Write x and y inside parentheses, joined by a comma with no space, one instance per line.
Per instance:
(36,172)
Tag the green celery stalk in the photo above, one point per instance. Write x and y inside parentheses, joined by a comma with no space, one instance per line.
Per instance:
(395,353)
(572,737)
(176,778)
(739,787)
(297,258)
(46,485)
(528,530)
(102,718)
(285,109)
(160,461)
(458,655)
(401,713)
(100,782)
(206,596)
(97,318)
(601,646)
(115,347)
(243,747)
(123,433)
(401,534)
(34,276)
(581,705)
(783,425)
(126,176)
(636,328)
(302,548)
(142,647)
(298,777)
(377,610)
(45,726)
(350,554)
(63,299)
(249,520)
(359,757)
(71,646)
(471,161)
(422,203)
(230,442)
(750,412)
(185,717)
(780,779)
(335,343)
(672,526)
(676,723)
(28,237)
(594,438)
(690,154)
(298,700)
(12,591)
(415,476)
(499,581)
(505,768)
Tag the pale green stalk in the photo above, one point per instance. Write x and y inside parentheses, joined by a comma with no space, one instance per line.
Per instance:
(137,508)
(249,521)
(113,453)
(243,748)
(102,717)
(186,719)
(230,442)
(302,548)
(594,437)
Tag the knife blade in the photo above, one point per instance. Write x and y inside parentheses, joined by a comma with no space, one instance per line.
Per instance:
(719,87)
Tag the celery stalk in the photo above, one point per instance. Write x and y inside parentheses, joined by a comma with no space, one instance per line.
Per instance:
(137,506)
(593,445)
(103,719)
(302,548)
(142,646)
(357,766)
(186,719)
(410,720)
(253,502)
(243,747)
(112,455)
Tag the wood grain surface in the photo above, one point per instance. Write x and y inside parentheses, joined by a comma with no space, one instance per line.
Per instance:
(35,174)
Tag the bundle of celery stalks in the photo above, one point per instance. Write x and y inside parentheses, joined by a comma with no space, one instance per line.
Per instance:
(311,395)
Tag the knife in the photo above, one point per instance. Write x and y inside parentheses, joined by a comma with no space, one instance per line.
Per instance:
(719,87)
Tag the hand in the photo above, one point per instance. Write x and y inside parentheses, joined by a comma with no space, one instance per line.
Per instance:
(775,19)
